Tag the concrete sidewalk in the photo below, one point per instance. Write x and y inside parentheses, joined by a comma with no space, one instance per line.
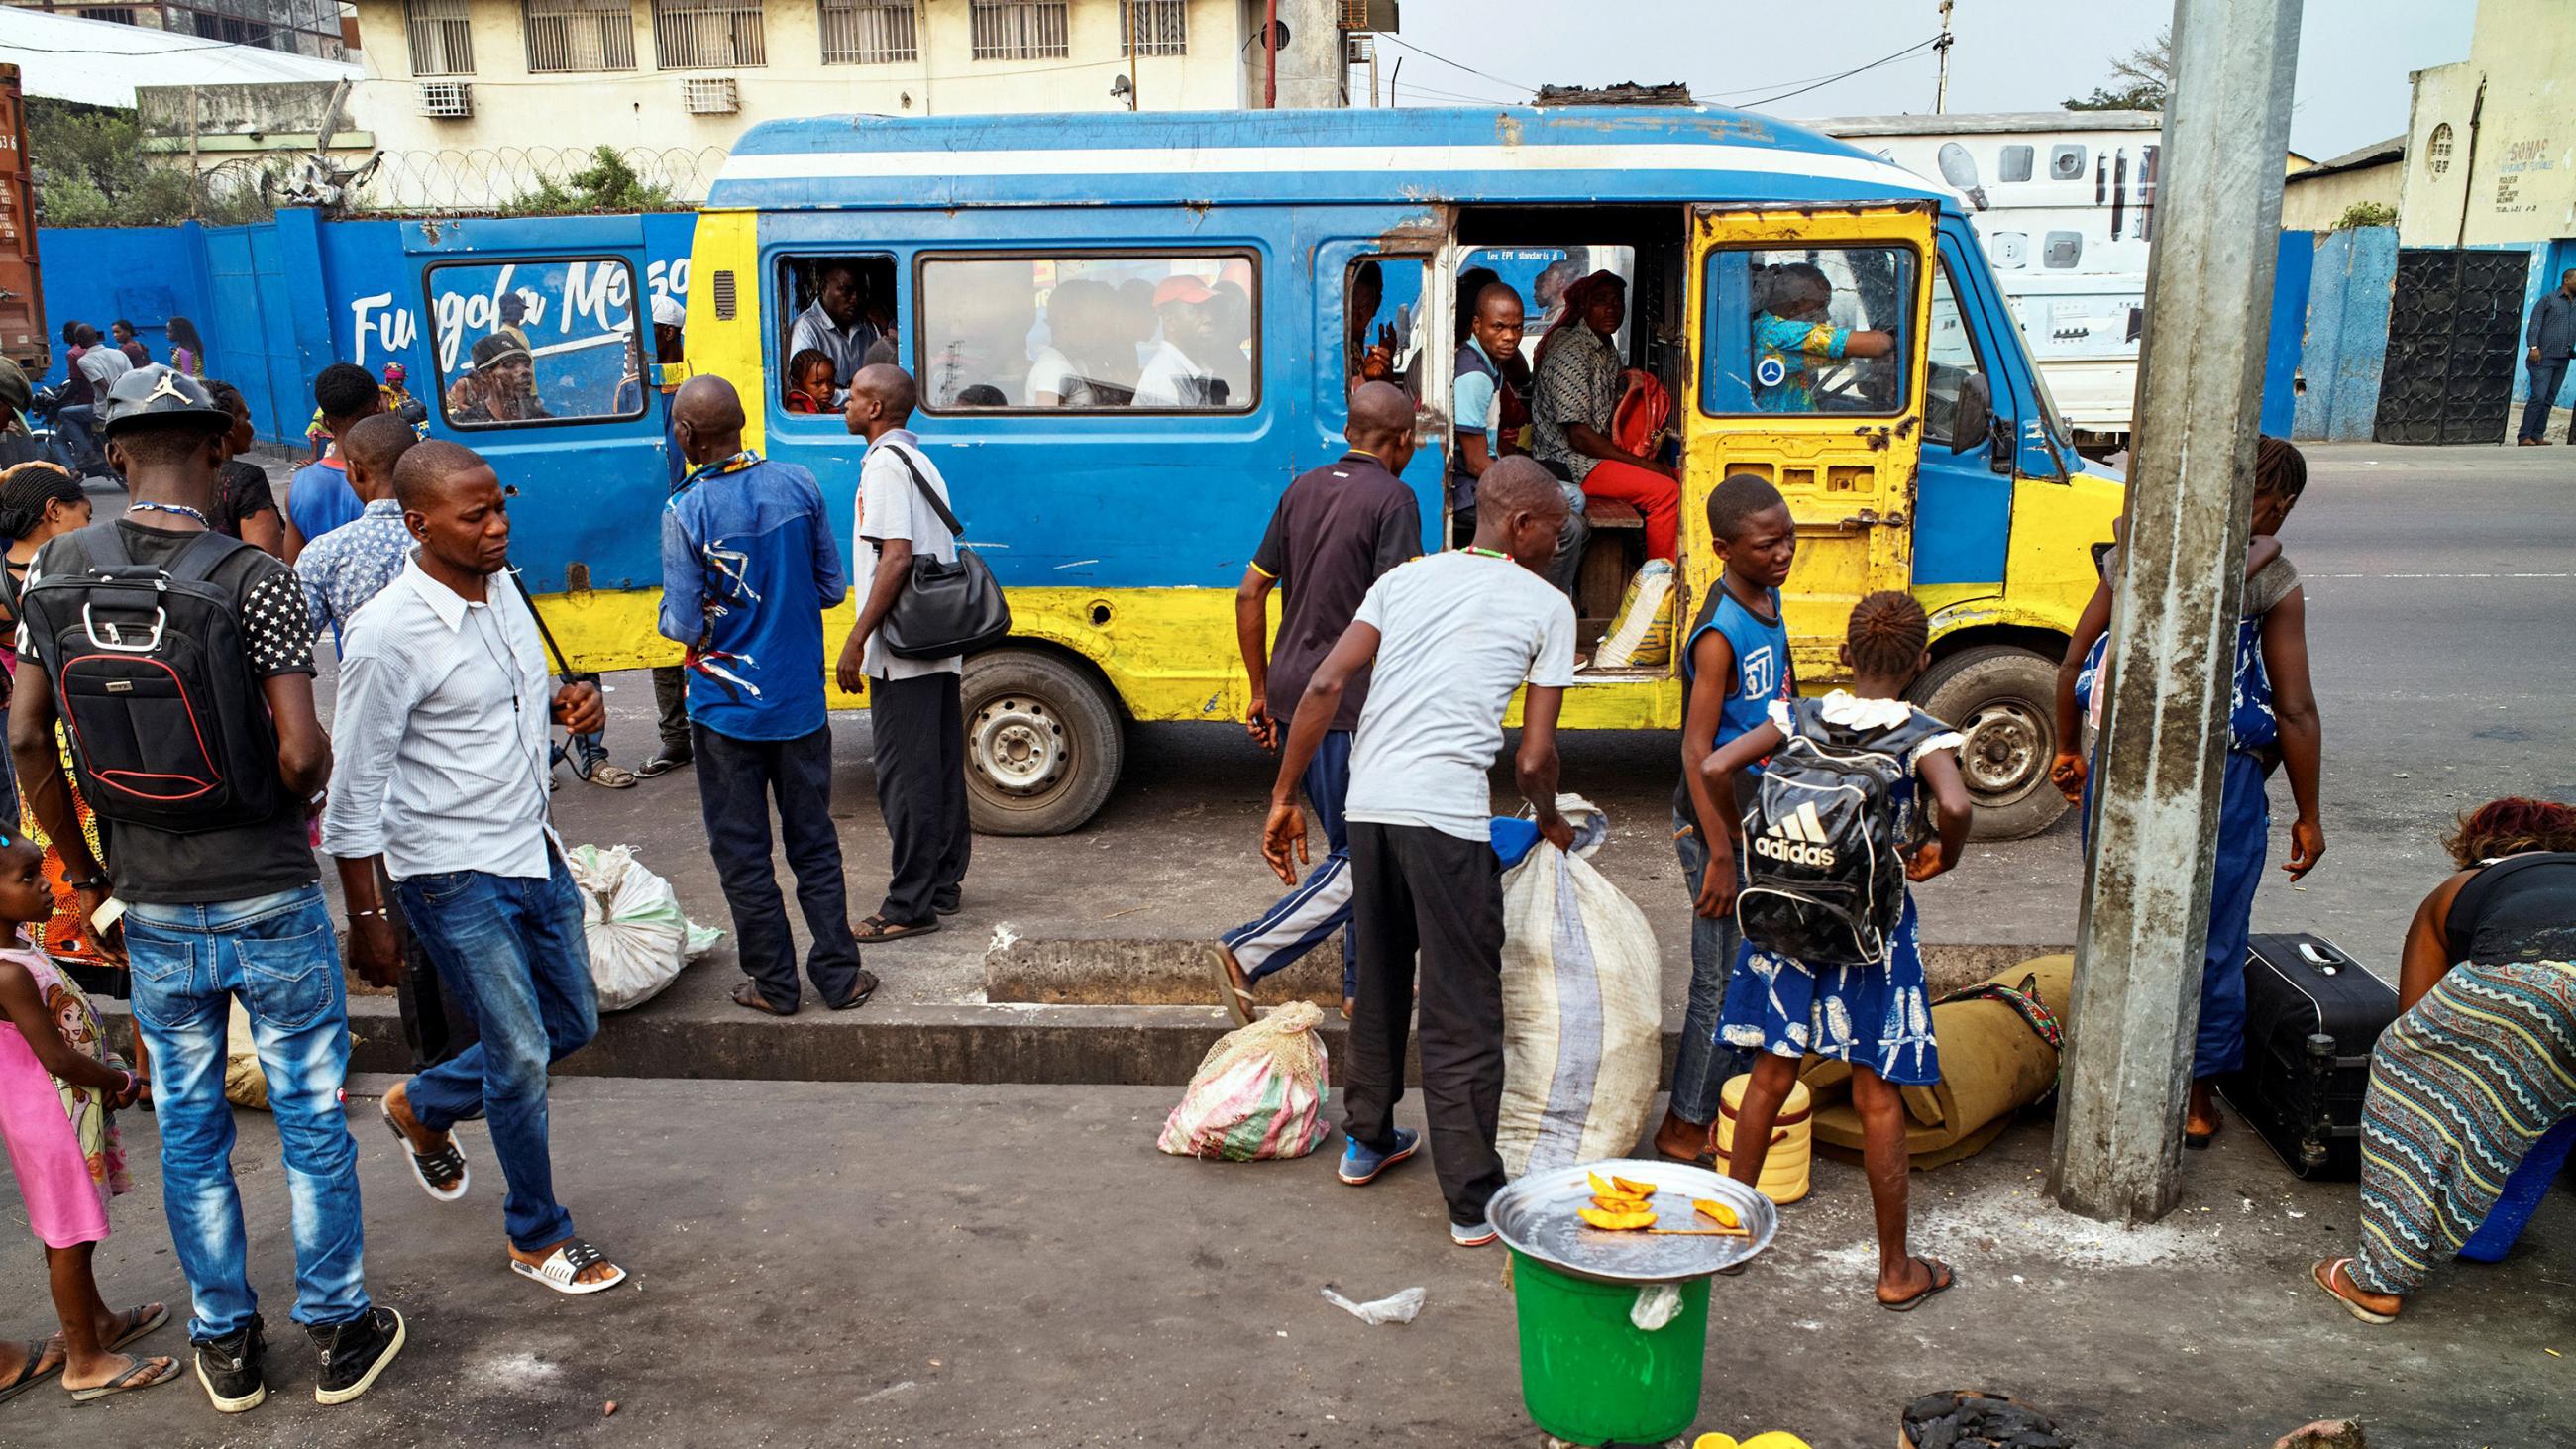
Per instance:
(915,1265)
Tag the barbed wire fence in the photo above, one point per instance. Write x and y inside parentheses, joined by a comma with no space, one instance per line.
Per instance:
(493,181)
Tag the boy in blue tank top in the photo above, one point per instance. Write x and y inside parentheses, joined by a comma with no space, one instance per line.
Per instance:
(1734,664)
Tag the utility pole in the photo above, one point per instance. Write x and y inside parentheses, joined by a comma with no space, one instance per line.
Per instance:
(1270,56)
(1941,89)
(1127,13)
(2162,752)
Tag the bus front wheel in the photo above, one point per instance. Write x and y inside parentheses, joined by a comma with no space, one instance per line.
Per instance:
(1043,744)
(2001,699)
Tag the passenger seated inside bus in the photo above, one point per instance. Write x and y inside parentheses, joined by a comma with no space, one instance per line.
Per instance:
(1184,371)
(1577,394)
(1089,359)
(1078,333)
(1794,337)
(1483,397)
(811,381)
(841,307)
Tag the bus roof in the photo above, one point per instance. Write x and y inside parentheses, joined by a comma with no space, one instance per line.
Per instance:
(1516,154)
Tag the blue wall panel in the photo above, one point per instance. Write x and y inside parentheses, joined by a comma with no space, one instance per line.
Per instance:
(2347,338)
(96,275)
(2283,350)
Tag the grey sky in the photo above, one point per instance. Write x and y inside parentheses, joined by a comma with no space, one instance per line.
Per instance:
(2011,55)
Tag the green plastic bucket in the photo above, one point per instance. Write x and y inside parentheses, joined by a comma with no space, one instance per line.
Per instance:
(1590,1376)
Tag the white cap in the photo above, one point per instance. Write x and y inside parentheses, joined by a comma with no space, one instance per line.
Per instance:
(667,312)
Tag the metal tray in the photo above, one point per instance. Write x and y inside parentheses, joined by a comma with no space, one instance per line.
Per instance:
(1536,1216)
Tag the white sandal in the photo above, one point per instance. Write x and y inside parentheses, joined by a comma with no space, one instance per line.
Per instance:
(428,1168)
(561,1268)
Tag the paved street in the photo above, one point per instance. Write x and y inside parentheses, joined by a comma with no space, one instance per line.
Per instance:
(836,1265)
(2441,587)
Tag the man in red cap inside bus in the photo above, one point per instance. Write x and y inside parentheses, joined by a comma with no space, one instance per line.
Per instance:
(1182,373)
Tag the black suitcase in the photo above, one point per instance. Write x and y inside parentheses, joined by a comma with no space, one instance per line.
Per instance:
(2312,1014)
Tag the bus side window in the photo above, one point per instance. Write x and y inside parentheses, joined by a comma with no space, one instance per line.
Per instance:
(1068,333)
(536,341)
(1822,329)
(1954,371)
(1382,322)
(839,314)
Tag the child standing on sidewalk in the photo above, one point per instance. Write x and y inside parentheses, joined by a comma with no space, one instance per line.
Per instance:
(1734,665)
(1871,1015)
(55,1096)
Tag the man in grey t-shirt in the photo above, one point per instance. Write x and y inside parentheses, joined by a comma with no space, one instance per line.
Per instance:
(1451,637)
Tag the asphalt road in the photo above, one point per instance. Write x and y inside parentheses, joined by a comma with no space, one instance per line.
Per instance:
(2441,589)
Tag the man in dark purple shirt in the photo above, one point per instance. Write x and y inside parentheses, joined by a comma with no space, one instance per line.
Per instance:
(1335,531)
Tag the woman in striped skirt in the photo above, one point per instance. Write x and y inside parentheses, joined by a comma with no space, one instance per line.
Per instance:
(2482,1063)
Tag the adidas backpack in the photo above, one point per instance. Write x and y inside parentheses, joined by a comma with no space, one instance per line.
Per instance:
(1823,840)
(153,683)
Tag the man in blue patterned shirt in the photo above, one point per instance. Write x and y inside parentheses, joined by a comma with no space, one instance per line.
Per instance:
(351,564)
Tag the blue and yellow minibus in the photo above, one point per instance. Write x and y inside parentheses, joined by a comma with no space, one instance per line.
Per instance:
(1132,330)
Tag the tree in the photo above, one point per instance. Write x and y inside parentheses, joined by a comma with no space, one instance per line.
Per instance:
(90,170)
(2366,213)
(2142,79)
(607,184)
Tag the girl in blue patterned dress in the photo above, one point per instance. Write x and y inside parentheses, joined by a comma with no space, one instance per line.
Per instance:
(2272,721)
(1873,1016)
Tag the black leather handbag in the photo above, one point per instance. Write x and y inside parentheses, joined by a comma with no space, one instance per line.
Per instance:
(945,608)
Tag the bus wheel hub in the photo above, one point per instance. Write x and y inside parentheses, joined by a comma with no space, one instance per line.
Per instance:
(2001,755)
(1017,744)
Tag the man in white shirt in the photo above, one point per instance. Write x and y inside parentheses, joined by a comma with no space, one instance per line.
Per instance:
(101,365)
(1181,373)
(915,717)
(833,325)
(1448,639)
(440,741)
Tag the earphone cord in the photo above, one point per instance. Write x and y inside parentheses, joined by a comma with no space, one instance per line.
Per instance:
(536,767)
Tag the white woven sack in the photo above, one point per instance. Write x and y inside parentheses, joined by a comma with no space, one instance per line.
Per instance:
(631,921)
(1582,1009)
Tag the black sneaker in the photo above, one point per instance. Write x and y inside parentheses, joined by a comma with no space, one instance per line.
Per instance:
(229,1368)
(663,762)
(353,1353)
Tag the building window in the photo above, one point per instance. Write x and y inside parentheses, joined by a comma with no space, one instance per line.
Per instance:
(442,40)
(114,16)
(697,33)
(1103,333)
(2438,153)
(870,32)
(1019,29)
(570,35)
(1154,27)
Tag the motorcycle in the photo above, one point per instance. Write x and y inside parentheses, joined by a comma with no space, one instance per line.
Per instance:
(66,441)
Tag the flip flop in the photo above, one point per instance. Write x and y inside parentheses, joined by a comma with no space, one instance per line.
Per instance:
(2199,1141)
(145,1373)
(1942,1278)
(449,1163)
(139,1322)
(878,928)
(748,997)
(1233,991)
(2322,1273)
(29,1375)
(859,994)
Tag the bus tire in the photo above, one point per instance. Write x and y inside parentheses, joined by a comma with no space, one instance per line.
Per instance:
(2003,699)
(1043,743)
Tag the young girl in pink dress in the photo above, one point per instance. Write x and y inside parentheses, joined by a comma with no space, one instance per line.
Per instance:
(57,1089)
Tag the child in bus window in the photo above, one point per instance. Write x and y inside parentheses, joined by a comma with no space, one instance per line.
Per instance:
(1792,335)
(810,381)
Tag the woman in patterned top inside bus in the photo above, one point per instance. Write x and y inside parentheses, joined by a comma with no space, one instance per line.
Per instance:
(2473,1090)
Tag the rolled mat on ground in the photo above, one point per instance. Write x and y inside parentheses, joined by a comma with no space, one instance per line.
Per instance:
(1994,1062)
(1582,1007)
(1258,1093)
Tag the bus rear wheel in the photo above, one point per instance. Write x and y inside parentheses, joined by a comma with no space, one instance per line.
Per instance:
(2002,700)
(1043,743)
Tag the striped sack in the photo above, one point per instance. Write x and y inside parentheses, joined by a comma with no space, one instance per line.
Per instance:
(1259,1092)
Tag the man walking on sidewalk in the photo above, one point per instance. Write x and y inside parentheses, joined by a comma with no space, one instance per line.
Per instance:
(230,911)
(2552,339)
(1452,636)
(749,565)
(441,732)
(1337,530)
(914,712)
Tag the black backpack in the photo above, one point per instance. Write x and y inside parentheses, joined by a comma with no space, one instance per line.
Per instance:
(151,679)
(1823,840)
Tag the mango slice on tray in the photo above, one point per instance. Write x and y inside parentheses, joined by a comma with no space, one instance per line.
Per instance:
(1610,1222)
(1717,1212)
(1630,1187)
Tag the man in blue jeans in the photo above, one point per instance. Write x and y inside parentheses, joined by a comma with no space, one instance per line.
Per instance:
(233,912)
(441,734)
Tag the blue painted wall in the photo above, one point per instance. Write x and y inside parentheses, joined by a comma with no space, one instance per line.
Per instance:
(2346,346)
(146,275)
(2284,348)
(2549,261)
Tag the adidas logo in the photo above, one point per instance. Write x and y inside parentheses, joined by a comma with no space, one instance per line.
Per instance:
(1796,839)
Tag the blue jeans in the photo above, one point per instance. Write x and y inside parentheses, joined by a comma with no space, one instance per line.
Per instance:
(509,952)
(1308,916)
(276,954)
(2244,833)
(2545,378)
(1703,1065)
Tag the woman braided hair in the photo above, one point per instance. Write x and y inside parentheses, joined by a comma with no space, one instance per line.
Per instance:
(26,489)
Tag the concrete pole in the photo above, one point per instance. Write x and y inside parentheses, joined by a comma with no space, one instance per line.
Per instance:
(2162,753)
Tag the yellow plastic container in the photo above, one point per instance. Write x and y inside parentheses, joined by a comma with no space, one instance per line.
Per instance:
(1785,1166)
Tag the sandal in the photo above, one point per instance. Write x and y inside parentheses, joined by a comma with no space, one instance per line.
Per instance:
(1942,1278)
(2323,1275)
(429,1169)
(878,928)
(561,1268)
(1233,988)
(748,996)
(2199,1141)
(611,777)
(144,1374)
(859,994)
(32,1372)
(138,1321)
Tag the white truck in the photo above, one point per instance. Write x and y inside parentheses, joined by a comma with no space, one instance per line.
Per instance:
(2065,202)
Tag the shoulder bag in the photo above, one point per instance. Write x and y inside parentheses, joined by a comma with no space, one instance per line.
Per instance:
(945,608)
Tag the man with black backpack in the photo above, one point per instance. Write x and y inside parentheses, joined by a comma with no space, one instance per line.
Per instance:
(185,665)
